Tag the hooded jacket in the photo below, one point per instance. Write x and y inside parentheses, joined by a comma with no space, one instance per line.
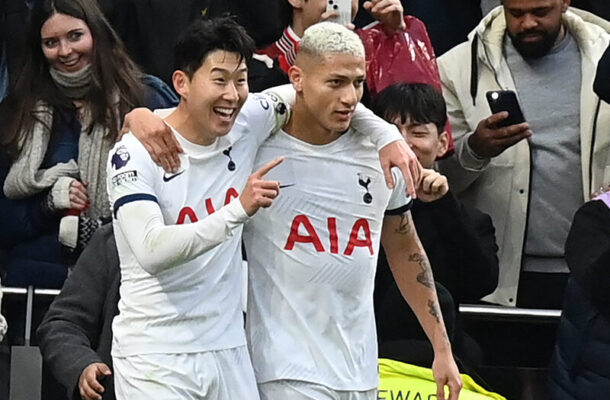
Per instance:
(500,186)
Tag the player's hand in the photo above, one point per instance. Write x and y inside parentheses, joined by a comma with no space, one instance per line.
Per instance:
(79,196)
(156,137)
(446,373)
(432,186)
(489,140)
(331,15)
(389,12)
(259,192)
(89,384)
(399,154)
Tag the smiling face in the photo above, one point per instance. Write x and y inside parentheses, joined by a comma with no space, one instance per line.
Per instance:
(534,25)
(425,140)
(215,92)
(66,43)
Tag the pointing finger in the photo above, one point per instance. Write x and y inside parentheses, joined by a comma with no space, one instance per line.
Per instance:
(262,171)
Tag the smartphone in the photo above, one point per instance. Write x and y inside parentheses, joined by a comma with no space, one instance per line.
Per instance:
(343,7)
(505,100)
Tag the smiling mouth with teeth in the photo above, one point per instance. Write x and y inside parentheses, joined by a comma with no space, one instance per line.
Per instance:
(225,112)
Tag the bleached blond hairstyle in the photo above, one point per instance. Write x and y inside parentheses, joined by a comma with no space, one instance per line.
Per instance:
(327,38)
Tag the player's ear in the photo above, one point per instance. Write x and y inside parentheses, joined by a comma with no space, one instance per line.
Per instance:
(443,144)
(296,78)
(181,83)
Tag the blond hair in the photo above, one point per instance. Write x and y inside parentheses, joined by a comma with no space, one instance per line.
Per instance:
(327,38)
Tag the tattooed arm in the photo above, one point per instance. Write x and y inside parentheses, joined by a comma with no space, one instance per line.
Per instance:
(413,275)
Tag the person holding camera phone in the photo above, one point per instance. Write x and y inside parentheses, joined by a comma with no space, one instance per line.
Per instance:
(532,176)
(298,15)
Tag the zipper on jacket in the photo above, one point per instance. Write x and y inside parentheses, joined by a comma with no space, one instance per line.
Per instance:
(593,137)
(527,219)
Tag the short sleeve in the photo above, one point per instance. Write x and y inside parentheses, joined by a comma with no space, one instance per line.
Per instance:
(130,173)
(399,202)
(264,114)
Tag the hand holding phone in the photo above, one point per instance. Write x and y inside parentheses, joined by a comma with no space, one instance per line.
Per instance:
(343,9)
(505,100)
(503,129)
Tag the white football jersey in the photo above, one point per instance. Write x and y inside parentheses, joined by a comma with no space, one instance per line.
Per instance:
(194,306)
(312,257)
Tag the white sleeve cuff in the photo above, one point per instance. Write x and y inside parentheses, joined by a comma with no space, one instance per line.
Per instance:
(467,158)
(60,193)
(236,214)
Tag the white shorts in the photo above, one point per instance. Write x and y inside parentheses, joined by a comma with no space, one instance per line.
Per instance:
(212,375)
(299,390)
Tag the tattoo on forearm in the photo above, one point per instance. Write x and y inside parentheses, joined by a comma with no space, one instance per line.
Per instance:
(434,310)
(405,226)
(425,272)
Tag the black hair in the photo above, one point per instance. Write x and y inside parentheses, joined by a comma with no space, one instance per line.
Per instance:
(207,35)
(113,72)
(422,103)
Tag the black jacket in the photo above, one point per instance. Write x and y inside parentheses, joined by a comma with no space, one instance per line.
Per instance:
(76,331)
(580,368)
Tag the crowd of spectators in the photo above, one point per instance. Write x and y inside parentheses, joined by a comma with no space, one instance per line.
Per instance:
(518,216)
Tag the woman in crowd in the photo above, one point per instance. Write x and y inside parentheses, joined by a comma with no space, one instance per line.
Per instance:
(61,117)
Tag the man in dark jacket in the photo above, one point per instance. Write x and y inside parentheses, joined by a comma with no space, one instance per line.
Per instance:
(75,335)
(580,368)
(459,240)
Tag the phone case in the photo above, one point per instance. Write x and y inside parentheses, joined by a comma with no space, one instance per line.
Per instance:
(505,100)
(343,7)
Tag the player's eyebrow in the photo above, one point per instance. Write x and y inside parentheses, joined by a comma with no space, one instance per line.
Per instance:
(336,75)
(228,71)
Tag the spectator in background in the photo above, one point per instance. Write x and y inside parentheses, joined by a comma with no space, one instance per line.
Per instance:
(579,368)
(530,177)
(60,119)
(76,333)
(459,240)
(580,365)
(448,21)
(298,15)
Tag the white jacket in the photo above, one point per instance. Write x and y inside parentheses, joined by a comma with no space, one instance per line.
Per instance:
(500,186)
